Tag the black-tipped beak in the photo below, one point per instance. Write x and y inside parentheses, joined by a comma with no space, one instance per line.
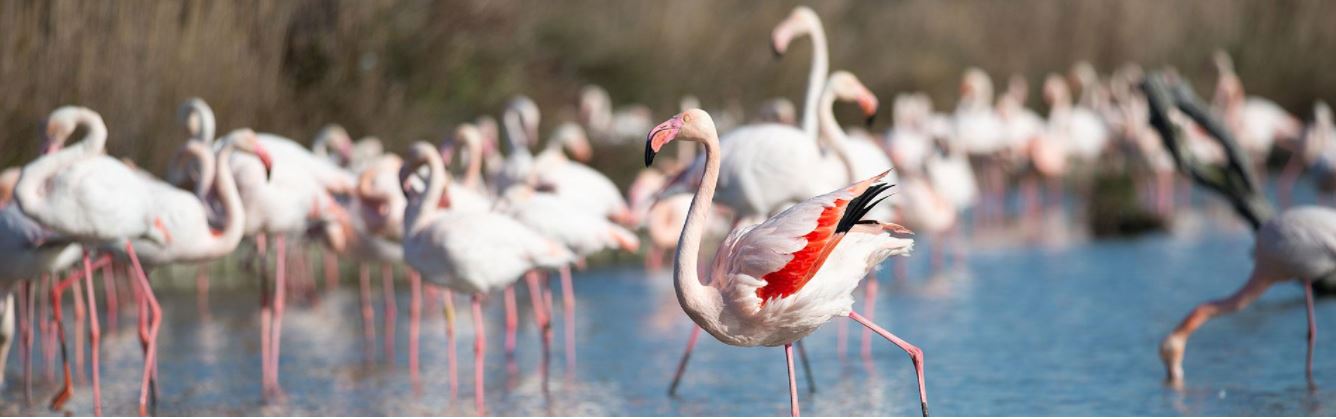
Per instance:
(649,155)
(871,119)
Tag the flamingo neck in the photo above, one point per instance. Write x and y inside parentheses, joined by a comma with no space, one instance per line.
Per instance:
(702,303)
(516,134)
(816,78)
(429,202)
(207,170)
(832,135)
(226,187)
(473,173)
(29,192)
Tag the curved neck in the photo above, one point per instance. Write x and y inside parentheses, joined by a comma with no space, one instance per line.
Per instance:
(207,170)
(816,78)
(29,191)
(473,172)
(226,188)
(430,200)
(698,300)
(207,125)
(832,135)
(515,133)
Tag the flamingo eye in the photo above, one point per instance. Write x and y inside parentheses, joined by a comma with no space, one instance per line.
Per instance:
(686,117)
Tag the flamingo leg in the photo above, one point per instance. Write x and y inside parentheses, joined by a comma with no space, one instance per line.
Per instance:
(807,367)
(57,313)
(1312,329)
(94,336)
(331,271)
(871,305)
(568,302)
(368,314)
(842,338)
(202,290)
(109,289)
(25,335)
(280,297)
(479,356)
(541,316)
(44,324)
(266,319)
(793,382)
(151,356)
(391,309)
(448,300)
(682,365)
(414,329)
(915,355)
(79,315)
(512,322)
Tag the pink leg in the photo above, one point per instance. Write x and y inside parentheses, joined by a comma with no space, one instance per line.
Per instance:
(448,300)
(568,300)
(331,271)
(915,355)
(44,324)
(79,314)
(871,305)
(1312,329)
(280,298)
(368,314)
(391,309)
(26,301)
(266,315)
(414,329)
(682,365)
(202,290)
(512,323)
(94,336)
(793,381)
(57,313)
(542,317)
(151,357)
(479,356)
(842,338)
(109,289)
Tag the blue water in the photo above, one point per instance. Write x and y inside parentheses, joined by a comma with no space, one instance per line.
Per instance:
(1068,329)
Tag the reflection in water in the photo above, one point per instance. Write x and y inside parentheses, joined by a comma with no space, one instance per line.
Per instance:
(1067,329)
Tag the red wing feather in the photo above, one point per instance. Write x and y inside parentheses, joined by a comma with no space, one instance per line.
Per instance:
(799,270)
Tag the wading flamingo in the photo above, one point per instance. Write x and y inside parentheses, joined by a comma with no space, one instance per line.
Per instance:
(85,195)
(471,252)
(775,282)
(1299,244)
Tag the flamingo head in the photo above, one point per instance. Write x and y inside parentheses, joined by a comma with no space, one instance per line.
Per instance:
(575,141)
(1055,90)
(799,22)
(245,140)
(333,135)
(696,124)
(59,126)
(846,86)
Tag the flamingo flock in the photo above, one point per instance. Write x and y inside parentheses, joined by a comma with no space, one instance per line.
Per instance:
(805,209)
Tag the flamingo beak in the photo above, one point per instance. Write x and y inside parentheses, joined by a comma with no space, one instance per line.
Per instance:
(779,39)
(868,102)
(265,159)
(447,153)
(662,134)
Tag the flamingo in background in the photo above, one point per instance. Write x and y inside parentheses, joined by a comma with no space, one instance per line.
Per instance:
(1260,123)
(472,252)
(91,198)
(334,145)
(773,283)
(609,126)
(1081,131)
(580,186)
(1320,150)
(779,110)
(1296,245)
(978,132)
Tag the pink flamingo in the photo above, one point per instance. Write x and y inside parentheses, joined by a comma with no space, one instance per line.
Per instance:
(82,193)
(1296,245)
(612,126)
(773,283)
(472,252)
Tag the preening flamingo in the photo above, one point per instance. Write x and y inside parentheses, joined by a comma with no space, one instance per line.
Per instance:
(579,185)
(334,145)
(773,283)
(27,250)
(91,198)
(472,252)
(1299,244)
(610,126)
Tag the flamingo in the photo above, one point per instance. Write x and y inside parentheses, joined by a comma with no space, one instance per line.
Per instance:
(607,125)
(1260,123)
(779,110)
(908,142)
(773,283)
(27,250)
(978,132)
(472,252)
(1320,149)
(1083,133)
(577,184)
(333,144)
(91,198)
(1296,245)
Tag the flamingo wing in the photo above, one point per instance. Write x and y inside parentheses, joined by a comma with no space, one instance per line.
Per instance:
(776,258)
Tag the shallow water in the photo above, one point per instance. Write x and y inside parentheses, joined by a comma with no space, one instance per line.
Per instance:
(1067,329)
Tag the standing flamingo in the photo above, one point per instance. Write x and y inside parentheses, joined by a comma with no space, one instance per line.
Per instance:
(979,133)
(472,252)
(609,126)
(773,283)
(82,193)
